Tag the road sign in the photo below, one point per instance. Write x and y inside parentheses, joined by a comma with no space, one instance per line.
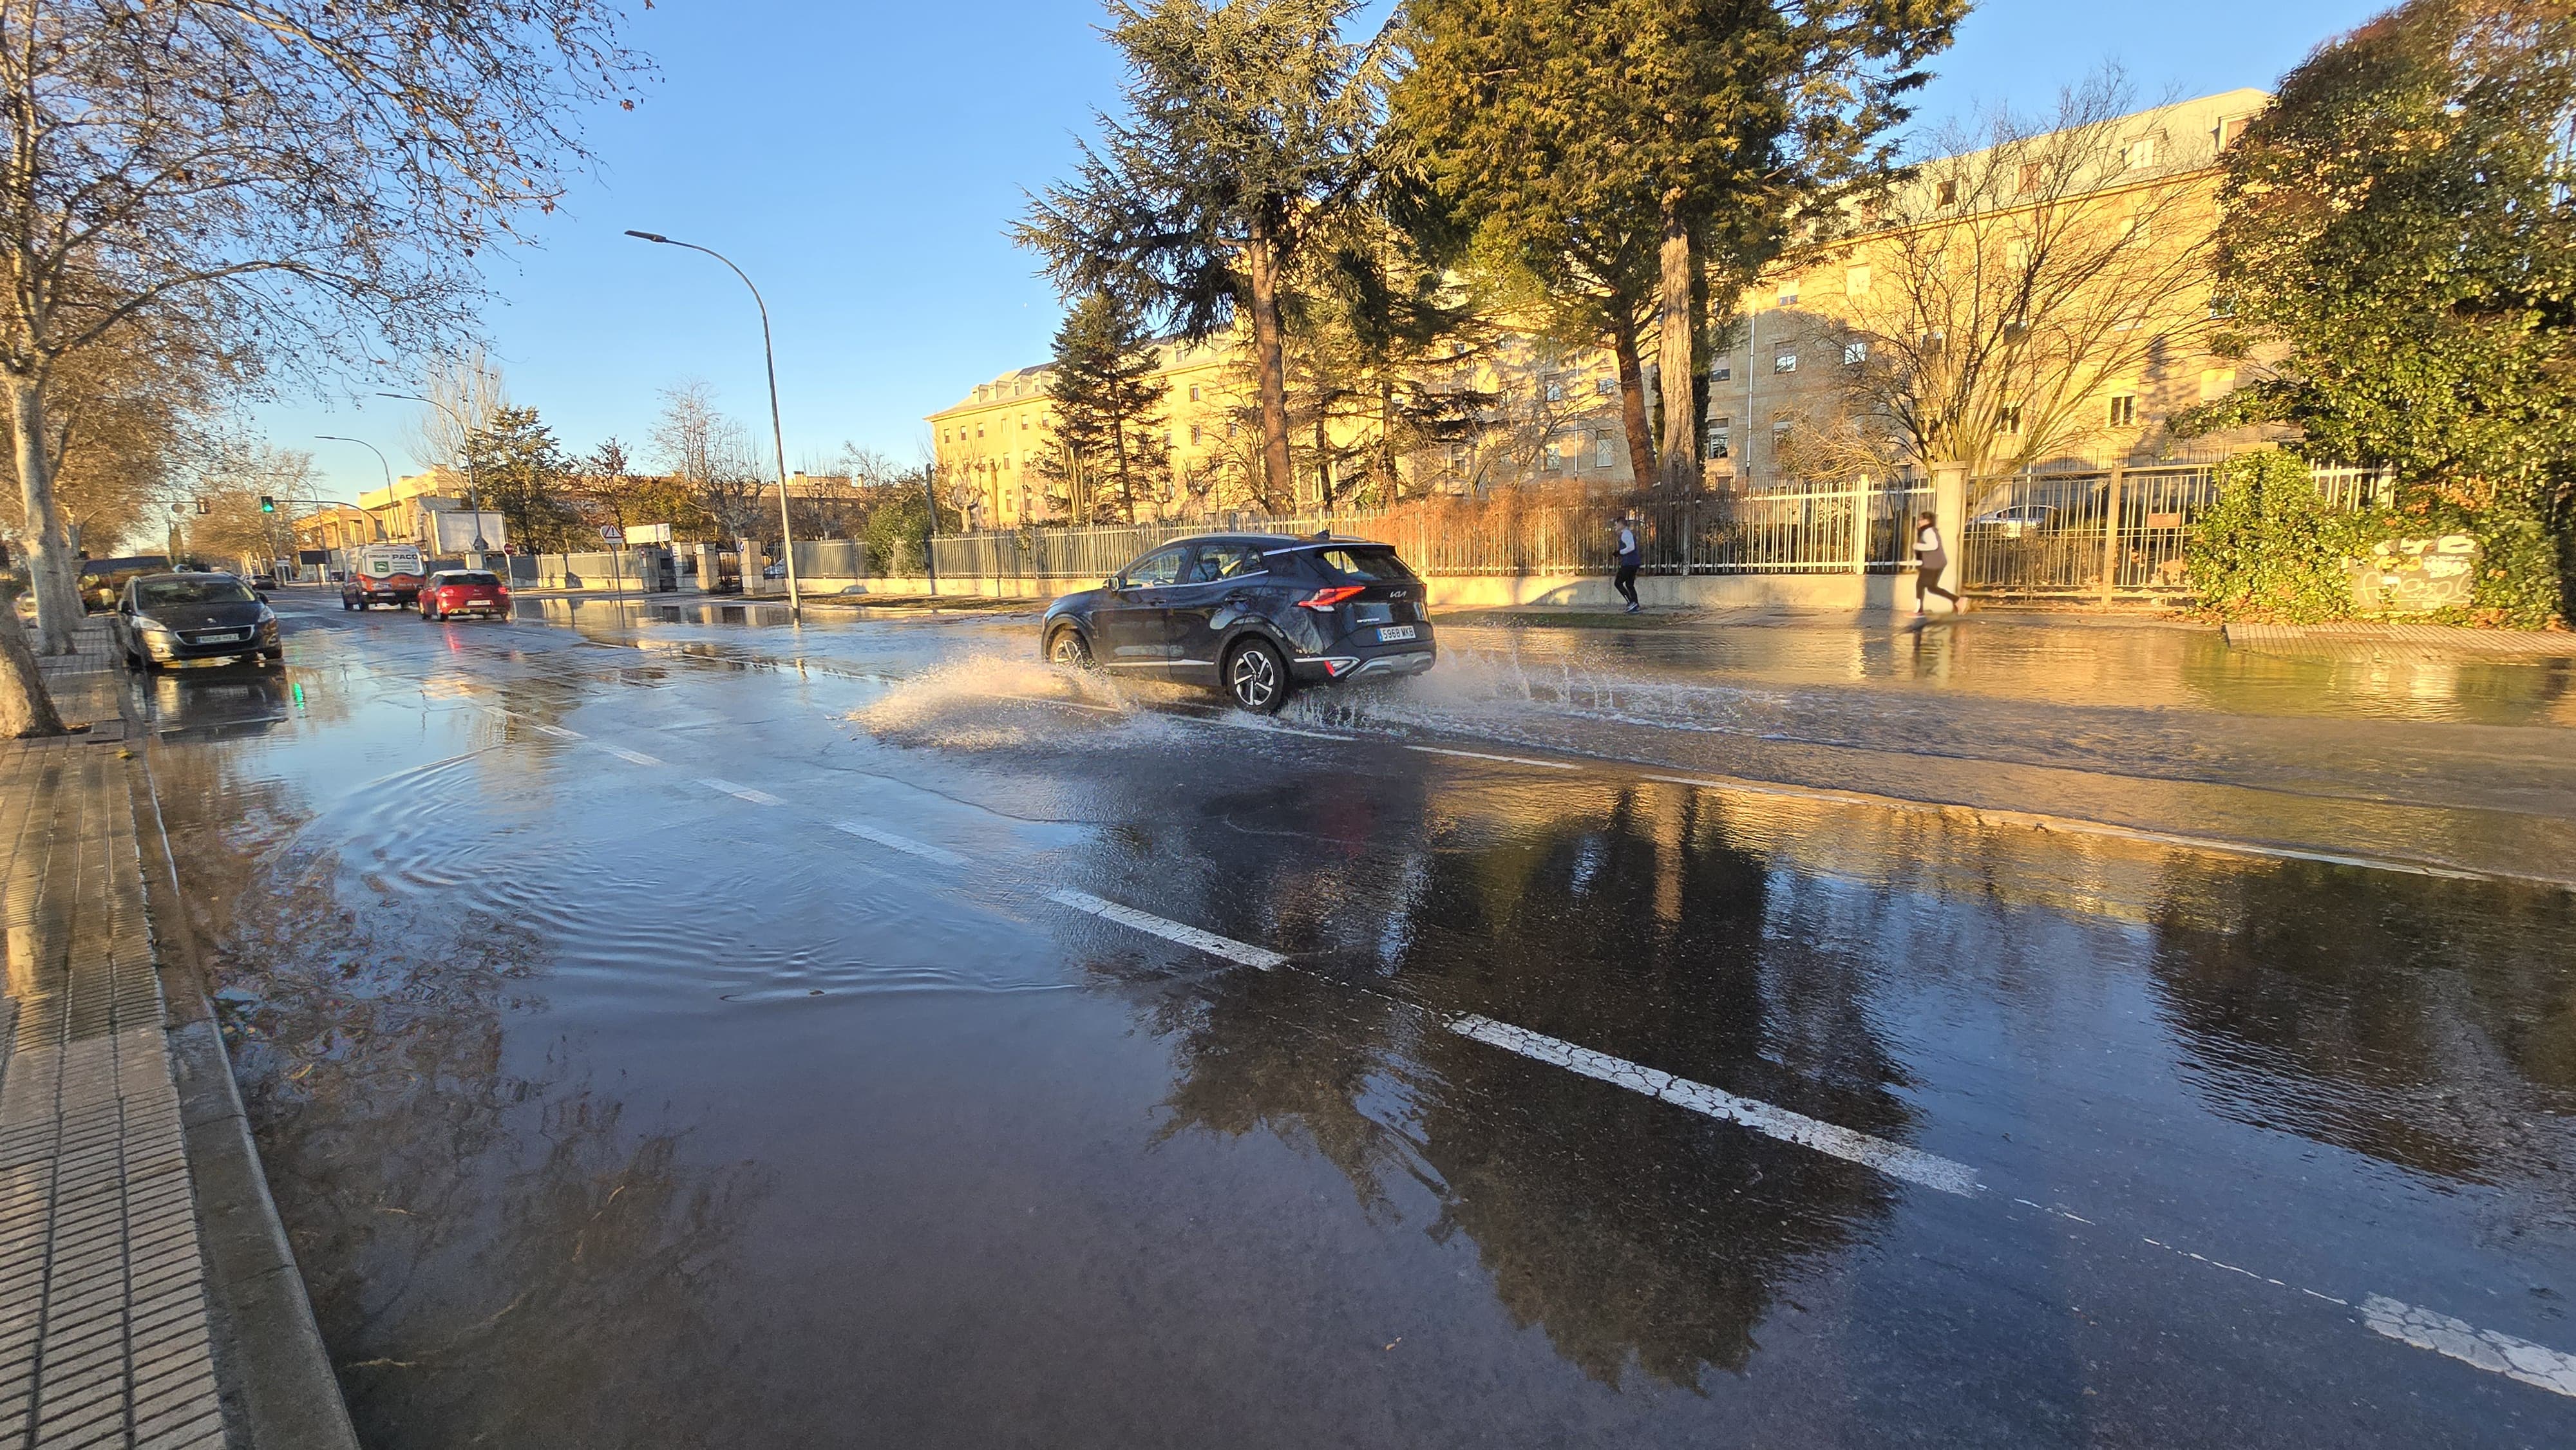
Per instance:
(611,534)
(649,534)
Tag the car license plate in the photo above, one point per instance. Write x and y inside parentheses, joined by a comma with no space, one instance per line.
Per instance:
(220,638)
(1395,632)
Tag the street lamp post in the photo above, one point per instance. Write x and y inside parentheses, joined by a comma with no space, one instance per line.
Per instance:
(777,433)
(374,523)
(473,489)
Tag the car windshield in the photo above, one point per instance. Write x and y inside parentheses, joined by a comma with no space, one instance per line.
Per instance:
(468,576)
(1376,565)
(204,589)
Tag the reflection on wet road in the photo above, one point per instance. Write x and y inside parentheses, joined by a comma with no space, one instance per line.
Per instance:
(677,1031)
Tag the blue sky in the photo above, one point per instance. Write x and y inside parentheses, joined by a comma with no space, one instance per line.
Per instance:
(861,161)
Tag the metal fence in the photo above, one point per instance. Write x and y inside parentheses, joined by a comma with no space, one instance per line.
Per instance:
(1814,532)
(2107,531)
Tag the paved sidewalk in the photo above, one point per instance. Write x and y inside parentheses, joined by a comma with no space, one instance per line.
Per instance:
(103,1319)
(2363,637)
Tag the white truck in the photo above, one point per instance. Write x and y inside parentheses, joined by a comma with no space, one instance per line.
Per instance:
(383,574)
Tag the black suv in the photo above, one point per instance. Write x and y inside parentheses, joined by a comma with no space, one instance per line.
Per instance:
(1256,615)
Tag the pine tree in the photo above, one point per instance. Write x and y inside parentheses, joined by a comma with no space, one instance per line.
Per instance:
(1246,144)
(1108,396)
(1627,148)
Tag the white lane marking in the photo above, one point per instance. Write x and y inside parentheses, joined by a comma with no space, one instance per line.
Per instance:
(561,733)
(1893,1159)
(740,792)
(905,844)
(1188,936)
(2516,1359)
(1504,759)
(631,757)
(1068,704)
(1263,727)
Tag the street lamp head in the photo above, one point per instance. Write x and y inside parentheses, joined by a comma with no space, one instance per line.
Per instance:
(649,236)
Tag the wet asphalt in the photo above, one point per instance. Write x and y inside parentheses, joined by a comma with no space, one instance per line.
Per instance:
(662,1027)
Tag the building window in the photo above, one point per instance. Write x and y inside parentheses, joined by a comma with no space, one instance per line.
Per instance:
(1194,435)
(2216,383)
(1724,371)
(1604,387)
(1552,458)
(1024,422)
(1555,390)
(2124,410)
(1856,280)
(1855,353)
(2232,130)
(2033,174)
(1603,455)
(1458,459)
(1788,291)
(2008,420)
(1194,392)
(1786,362)
(1948,193)
(2145,151)
(1719,431)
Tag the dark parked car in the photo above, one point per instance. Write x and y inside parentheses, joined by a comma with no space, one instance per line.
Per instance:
(453,592)
(1256,615)
(164,618)
(103,581)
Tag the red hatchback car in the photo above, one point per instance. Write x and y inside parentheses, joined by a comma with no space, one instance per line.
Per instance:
(452,592)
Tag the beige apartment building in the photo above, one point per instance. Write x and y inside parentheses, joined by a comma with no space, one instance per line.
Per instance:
(2055,288)
(2070,271)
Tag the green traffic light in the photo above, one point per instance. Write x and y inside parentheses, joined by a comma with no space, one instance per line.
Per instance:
(267,505)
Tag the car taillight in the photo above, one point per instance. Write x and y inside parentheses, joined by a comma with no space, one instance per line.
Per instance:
(1325,601)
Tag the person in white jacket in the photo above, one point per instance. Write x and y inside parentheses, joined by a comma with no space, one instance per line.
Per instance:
(1929,560)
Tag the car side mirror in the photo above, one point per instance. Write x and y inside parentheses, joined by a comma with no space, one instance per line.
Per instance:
(1113,583)
(260,595)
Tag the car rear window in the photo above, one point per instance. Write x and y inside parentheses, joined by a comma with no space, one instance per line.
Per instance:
(211,589)
(469,577)
(1363,565)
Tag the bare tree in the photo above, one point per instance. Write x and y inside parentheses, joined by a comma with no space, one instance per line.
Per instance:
(711,455)
(228,489)
(466,392)
(2005,286)
(315,176)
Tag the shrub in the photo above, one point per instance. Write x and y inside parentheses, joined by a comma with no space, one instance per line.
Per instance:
(2270,548)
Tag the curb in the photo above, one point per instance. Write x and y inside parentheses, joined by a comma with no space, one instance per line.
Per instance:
(271,1365)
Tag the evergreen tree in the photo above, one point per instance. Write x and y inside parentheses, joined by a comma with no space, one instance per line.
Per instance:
(1609,141)
(1103,443)
(1246,145)
(2400,222)
(521,475)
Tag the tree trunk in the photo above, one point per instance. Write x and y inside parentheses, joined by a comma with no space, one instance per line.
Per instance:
(1387,480)
(26,711)
(1279,478)
(52,573)
(1681,450)
(1323,465)
(1632,406)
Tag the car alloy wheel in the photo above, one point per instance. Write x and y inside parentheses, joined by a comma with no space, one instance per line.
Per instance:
(1070,650)
(1256,677)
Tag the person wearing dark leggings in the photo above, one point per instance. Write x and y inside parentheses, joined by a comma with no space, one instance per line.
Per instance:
(1630,557)
(1929,560)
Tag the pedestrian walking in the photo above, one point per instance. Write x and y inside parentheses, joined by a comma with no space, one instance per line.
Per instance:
(1929,560)
(1630,557)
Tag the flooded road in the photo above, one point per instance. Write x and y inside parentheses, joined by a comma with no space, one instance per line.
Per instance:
(673,1030)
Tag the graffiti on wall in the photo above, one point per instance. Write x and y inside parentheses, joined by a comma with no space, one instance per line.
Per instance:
(2415,576)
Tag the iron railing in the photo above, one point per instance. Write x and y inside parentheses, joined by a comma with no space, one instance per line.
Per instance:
(2052,533)
(1857,530)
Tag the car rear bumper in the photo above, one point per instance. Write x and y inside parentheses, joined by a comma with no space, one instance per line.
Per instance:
(1376,665)
(382,596)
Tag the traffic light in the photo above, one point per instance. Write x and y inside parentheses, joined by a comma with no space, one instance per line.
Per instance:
(267,505)
(204,507)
